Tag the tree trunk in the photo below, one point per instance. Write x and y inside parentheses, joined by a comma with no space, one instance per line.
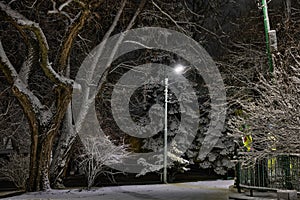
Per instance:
(39,163)
(41,146)
(44,122)
(288,9)
(62,153)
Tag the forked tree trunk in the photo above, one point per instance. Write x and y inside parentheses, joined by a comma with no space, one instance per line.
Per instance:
(39,164)
(44,123)
(43,131)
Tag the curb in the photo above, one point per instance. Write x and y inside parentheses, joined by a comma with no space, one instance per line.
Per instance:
(234,194)
(244,197)
(11,193)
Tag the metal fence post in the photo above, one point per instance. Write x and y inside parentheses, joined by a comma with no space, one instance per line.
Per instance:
(238,176)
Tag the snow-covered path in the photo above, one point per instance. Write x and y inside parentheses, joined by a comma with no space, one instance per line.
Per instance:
(204,190)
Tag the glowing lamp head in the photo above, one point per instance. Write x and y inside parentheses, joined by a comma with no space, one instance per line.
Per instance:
(179,68)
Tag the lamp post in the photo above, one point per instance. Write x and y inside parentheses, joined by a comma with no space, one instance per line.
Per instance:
(166,132)
(178,69)
(267,32)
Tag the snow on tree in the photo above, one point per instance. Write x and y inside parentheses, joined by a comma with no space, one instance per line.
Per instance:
(41,49)
(272,112)
(98,153)
(42,85)
(267,105)
(44,121)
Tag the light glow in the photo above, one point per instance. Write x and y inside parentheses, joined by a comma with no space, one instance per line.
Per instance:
(179,68)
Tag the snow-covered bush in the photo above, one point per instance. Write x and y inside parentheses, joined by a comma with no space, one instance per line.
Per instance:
(175,162)
(99,152)
(16,170)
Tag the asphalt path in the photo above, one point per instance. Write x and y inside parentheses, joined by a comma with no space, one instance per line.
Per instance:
(202,190)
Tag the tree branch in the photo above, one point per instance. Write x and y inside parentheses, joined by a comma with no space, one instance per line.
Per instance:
(169,17)
(7,68)
(19,88)
(71,34)
(23,22)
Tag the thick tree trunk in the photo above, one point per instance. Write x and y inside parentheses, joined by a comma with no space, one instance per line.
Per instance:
(62,153)
(44,122)
(44,128)
(41,146)
(39,163)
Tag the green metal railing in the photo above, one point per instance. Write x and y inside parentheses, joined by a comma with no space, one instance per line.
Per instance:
(272,172)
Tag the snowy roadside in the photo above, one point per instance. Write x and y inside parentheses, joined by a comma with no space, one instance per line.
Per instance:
(206,190)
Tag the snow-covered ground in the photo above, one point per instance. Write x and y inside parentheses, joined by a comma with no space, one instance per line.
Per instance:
(202,190)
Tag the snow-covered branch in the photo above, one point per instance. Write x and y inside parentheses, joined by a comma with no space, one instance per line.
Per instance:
(168,16)
(60,9)
(18,86)
(100,152)
(6,66)
(271,116)
(25,23)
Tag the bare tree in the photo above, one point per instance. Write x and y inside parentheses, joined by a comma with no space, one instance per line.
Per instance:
(99,153)
(70,129)
(44,122)
(38,63)
(45,118)
(266,104)
(15,170)
(272,112)
(14,140)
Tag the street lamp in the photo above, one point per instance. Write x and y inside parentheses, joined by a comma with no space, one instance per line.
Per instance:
(166,132)
(178,69)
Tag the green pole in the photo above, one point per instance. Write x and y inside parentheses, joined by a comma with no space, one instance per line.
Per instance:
(267,29)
